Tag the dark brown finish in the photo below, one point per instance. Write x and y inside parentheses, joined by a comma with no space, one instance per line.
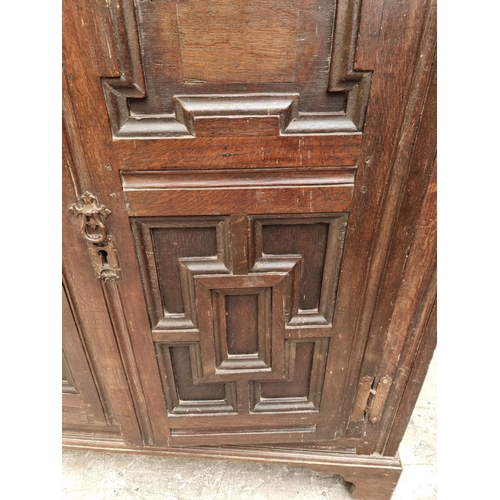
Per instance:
(256,277)
(212,48)
(207,193)
(91,316)
(416,300)
(241,152)
(242,295)
(229,41)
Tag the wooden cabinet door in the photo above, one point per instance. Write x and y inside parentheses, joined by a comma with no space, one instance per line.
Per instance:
(240,167)
(80,399)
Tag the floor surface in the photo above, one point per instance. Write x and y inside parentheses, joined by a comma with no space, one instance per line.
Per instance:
(102,476)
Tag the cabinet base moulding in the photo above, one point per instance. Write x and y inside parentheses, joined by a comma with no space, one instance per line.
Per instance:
(367,477)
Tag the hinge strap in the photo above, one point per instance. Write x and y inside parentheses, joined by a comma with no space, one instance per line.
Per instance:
(379,399)
(369,401)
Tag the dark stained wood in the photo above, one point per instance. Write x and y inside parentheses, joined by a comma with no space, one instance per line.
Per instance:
(416,302)
(369,31)
(419,155)
(369,481)
(232,319)
(239,229)
(249,436)
(91,316)
(231,422)
(236,126)
(241,325)
(218,55)
(381,168)
(104,42)
(241,152)
(214,195)
(168,288)
(266,172)
(230,43)
(308,241)
(172,244)
(121,330)
(269,177)
(301,376)
(294,200)
(184,381)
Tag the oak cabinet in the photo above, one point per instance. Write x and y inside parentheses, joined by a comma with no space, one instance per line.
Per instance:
(249,229)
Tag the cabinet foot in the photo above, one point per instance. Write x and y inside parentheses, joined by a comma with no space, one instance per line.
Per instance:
(369,479)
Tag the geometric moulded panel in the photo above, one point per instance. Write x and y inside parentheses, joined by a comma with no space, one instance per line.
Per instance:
(241,308)
(198,68)
(184,392)
(318,244)
(303,387)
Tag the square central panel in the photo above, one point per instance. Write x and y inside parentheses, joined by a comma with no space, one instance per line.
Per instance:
(236,41)
(241,323)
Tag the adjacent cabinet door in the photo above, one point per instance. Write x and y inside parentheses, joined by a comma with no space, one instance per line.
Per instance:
(80,400)
(245,178)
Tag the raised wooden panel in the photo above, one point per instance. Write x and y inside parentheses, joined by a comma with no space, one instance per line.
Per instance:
(303,389)
(218,41)
(233,68)
(184,394)
(242,315)
(241,309)
(307,240)
(218,364)
(242,327)
(319,243)
(303,354)
(167,249)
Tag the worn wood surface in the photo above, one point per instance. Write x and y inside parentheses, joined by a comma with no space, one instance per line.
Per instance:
(241,152)
(92,318)
(368,237)
(418,154)
(267,171)
(81,402)
(221,48)
(416,341)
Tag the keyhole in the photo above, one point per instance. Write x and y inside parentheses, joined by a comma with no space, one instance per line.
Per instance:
(104,257)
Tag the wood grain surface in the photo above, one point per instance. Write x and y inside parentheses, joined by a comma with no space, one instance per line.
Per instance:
(269,172)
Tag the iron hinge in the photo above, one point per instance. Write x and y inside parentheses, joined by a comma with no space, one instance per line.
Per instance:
(370,402)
